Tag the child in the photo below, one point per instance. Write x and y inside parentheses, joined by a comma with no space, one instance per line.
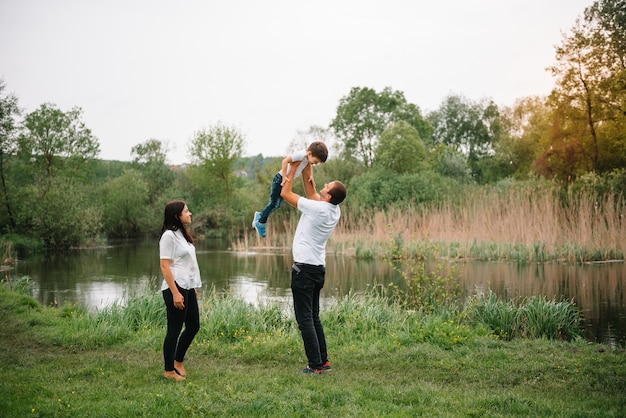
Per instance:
(291,168)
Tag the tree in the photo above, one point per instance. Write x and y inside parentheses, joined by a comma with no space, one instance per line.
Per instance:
(472,128)
(62,214)
(150,159)
(215,150)
(401,149)
(589,98)
(364,114)
(449,162)
(526,134)
(125,203)
(9,111)
(53,137)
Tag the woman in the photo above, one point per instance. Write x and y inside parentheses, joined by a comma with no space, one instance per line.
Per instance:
(181,278)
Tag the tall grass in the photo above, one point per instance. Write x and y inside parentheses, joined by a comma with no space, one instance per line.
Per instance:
(521,223)
(535,317)
(353,318)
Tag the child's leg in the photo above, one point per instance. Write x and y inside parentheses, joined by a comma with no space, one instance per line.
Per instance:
(275,199)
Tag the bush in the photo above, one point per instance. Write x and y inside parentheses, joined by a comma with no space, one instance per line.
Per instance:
(381,188)
(424,288)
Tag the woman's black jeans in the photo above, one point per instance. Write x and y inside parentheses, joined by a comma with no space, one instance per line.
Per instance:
(175,348)
(306,283)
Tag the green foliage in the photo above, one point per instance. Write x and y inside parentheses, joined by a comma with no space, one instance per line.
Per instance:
(23,285)
(53,138)
(424,288)
(214,150)
(61,213)
(337,169)
(9,111)
(603,184)
(528,125)
(382,188)
(450,163)
(149,159)
(535,317)
(125,201)
(364,114)
(473,128)
(401,149)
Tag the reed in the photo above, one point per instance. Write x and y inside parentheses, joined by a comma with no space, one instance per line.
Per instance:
(517,224)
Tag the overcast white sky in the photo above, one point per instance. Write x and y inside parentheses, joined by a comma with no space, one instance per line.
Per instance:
(144,69)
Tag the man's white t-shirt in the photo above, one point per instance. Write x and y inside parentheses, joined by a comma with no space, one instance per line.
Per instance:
(317,222)
(182,255)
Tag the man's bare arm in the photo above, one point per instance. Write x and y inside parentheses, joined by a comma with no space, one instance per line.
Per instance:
(309,183)
(288,194)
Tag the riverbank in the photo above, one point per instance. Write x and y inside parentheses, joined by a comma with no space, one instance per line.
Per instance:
(246,362)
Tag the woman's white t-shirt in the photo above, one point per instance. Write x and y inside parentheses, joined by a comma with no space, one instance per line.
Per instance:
(183,263)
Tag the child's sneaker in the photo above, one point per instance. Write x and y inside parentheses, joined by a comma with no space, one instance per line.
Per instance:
(260,228)
(326,367)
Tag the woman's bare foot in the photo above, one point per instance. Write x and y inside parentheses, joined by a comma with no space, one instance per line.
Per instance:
(179,368)
(173,375)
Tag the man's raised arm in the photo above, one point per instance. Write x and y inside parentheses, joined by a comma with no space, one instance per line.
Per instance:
(288,194)
(309,183)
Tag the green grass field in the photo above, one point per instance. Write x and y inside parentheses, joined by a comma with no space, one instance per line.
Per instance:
(246,361)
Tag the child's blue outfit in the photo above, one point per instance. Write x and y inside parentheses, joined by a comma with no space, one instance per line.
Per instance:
(260,218)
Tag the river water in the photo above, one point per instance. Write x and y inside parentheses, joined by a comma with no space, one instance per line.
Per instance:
(96,278)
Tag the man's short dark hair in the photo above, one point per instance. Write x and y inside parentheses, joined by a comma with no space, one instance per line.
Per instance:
(337,192)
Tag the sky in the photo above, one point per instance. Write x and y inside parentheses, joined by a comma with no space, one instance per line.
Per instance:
(271,69)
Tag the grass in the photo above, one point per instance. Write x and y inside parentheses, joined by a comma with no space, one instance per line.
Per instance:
(246,361)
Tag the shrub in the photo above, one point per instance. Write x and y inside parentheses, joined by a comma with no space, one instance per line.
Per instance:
(423,288)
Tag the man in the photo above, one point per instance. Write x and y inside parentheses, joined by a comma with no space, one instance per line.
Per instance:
(320,215)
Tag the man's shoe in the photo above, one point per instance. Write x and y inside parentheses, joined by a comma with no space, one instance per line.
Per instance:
(260,228)
(326,367)
(310,370)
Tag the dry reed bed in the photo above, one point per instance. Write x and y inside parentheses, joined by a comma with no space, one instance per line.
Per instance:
(518,218)
(584,229)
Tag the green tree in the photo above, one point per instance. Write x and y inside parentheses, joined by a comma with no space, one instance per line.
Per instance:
(150,158)
(9,111)
(364,114)
(215,150)
(401,149)
(449,162)
(53,138)
(61,213)
(472,128)
(125,203)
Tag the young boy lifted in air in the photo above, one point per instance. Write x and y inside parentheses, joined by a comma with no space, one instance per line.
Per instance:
(291,168)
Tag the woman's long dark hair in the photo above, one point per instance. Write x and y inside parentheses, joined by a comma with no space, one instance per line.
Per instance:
(171,219)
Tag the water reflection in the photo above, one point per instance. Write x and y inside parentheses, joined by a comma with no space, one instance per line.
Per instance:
(98,278)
